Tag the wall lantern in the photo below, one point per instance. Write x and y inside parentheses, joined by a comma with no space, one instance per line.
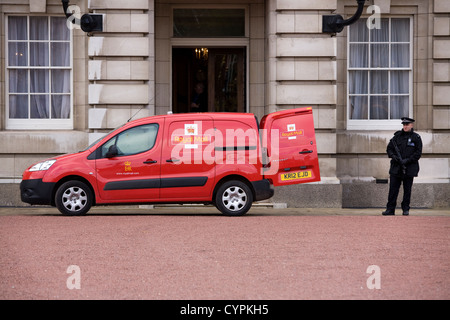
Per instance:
(335,23)
(88,22)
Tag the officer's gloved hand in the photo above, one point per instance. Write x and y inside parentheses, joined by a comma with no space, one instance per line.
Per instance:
(405,162)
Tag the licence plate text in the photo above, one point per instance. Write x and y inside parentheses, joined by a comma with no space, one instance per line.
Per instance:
(295,175)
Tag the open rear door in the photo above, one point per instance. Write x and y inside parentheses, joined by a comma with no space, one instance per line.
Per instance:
(290,141)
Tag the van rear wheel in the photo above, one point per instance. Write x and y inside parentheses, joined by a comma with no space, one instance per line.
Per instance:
(234,198)
(73,198)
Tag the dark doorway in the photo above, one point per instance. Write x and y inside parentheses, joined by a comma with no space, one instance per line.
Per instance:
(208,79)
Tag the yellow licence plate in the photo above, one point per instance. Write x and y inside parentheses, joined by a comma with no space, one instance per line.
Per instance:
(295,175)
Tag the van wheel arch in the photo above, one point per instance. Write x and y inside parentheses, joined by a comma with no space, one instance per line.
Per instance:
(69,178)
(233,195)
(229,178)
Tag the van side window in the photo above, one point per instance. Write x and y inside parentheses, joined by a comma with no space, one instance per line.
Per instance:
(132,141)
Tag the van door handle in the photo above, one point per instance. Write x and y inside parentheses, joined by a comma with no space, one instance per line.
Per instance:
(305,151)
(172,160)
(150,161)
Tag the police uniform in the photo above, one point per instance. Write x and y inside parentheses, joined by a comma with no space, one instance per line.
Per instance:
(405,150)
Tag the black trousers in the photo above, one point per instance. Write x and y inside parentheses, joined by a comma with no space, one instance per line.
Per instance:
(394,187)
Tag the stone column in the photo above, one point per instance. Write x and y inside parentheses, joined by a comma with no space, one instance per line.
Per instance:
(121,85)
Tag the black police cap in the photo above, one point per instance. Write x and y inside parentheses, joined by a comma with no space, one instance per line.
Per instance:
(407,120)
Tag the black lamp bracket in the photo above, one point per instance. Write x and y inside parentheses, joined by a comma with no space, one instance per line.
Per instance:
(335,23)
(88,22)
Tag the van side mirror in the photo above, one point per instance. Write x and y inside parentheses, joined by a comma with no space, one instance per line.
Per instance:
(112,151)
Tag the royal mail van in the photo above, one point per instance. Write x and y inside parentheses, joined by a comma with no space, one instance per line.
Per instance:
(227,159)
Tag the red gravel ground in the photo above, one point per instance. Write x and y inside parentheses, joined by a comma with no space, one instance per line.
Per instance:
(218,257)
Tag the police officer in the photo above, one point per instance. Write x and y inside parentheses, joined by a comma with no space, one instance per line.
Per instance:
(405,150)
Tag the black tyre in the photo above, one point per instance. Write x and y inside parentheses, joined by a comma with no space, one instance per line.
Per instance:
(73,198)
(234,198)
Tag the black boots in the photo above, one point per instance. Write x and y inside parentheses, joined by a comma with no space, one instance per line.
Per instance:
(392,212)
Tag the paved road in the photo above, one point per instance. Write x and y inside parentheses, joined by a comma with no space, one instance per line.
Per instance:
(196,253)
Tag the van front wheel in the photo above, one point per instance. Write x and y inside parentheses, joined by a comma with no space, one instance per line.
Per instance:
(73,198)
(234,198)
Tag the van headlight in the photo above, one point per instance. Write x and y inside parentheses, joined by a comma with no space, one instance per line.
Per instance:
(42,166)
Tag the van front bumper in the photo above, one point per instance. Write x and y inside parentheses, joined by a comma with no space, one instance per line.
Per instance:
(263,189)
(35,191)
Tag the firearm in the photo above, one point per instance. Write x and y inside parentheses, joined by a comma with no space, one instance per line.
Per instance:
(399,156)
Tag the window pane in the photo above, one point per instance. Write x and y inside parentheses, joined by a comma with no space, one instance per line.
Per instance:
(39,81)
(18,106)
(388,88)
(379,81)
(400,56)
(34,44)
(58,29)
(382,34)
(60,81)
(379,107)
(379,56)
(17,54)
(38,54)
(358,82)
(358,107)
(399,81)
(39,107)
(38,28)
(17,28)
(133,141)
(400,30)
(18,81)
(60,54)
(399,107)
(205,23)
(359,32)
(60,107)
(137,140)
(358,56)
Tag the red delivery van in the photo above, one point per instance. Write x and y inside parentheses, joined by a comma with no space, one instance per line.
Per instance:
(227,159)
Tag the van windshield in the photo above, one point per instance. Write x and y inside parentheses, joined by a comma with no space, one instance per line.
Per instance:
(96,141)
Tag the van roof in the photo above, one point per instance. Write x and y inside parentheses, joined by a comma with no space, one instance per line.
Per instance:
(193,115)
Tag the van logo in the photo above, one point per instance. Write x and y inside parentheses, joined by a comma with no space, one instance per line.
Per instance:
(190,129)
(128,166)
(292,132)
(205,139)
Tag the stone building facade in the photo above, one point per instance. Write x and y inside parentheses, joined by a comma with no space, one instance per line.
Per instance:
(61,88)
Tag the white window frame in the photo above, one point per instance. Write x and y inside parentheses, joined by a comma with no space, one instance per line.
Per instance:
(378,124)
(37,124)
